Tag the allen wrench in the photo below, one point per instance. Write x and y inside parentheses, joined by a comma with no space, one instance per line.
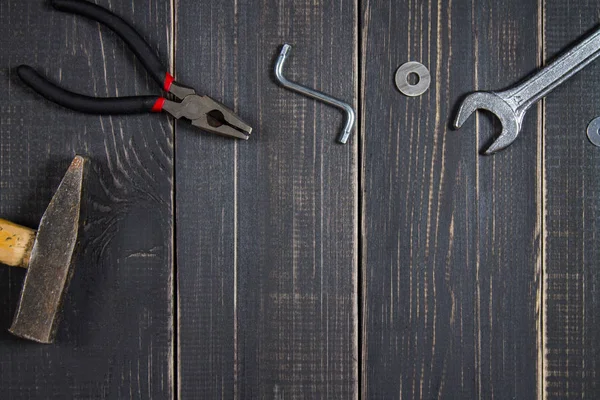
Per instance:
(347,108)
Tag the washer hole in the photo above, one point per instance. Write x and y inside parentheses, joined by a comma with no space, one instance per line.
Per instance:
(413,79)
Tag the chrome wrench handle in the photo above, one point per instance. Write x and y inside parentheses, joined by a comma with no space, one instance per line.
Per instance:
(523,96)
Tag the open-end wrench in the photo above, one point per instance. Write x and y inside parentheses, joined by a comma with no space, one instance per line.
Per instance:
(510,105)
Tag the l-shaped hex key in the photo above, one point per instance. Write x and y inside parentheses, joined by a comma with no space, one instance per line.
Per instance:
(350,114)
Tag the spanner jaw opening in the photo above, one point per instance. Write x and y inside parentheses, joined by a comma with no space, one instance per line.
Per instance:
(490,101)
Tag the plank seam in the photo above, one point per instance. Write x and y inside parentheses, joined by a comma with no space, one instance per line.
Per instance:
(542,376)
(361,245)
(236,172)
(176,394)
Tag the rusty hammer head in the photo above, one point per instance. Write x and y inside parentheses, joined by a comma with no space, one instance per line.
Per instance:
(47,255)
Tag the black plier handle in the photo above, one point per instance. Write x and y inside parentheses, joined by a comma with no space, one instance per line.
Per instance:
(87,104)
(202,111)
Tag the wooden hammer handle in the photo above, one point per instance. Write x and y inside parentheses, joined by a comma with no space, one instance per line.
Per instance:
(16,243)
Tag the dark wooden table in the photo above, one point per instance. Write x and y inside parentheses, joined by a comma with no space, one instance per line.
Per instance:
(402,265)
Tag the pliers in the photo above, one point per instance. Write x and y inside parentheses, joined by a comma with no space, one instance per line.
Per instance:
(203,112)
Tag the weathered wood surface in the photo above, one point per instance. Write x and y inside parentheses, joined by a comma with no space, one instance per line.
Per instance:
(450,238)
(116,337)
(267,229)
(572,216)
(477,274)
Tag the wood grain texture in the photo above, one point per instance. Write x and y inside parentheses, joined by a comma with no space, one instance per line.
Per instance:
(268,280)
(572,216)
(451,248)
(115,340)
(206,206)
(478,274)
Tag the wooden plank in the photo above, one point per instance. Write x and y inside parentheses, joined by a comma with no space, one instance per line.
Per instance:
(268,282)
(206,213)
(451,238)
(572,216)
(115,340)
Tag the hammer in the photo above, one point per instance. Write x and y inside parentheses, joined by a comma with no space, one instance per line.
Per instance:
(47,256)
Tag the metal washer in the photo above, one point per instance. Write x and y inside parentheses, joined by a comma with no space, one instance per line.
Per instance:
(402,83)
(593,132)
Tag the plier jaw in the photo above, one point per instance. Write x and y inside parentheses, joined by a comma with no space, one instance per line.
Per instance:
(221,120)
(209,115)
